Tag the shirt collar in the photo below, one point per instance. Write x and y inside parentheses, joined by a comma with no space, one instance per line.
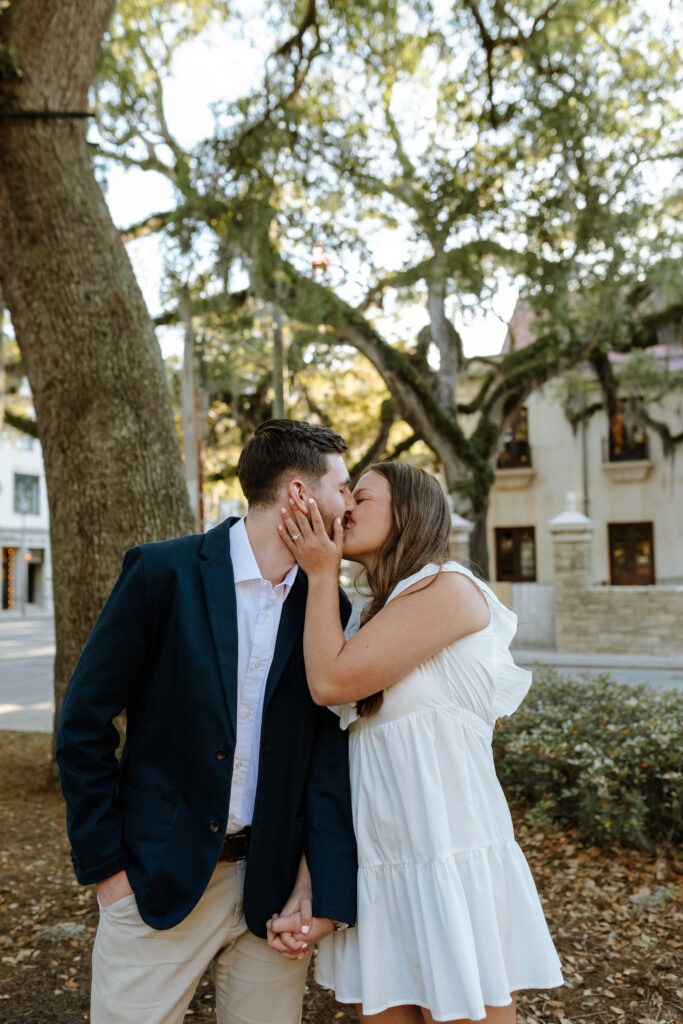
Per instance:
(244,565)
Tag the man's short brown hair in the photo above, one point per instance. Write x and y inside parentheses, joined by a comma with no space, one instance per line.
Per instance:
(284,446)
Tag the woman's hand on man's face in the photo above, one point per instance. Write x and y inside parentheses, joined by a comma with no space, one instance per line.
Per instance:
(307,539)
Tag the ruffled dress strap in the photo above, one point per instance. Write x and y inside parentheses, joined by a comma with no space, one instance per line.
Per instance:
(422,574)
(511,683)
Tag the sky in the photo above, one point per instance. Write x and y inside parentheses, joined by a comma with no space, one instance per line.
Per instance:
(199,79)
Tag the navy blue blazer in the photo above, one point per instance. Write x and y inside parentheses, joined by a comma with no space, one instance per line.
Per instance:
(165,648)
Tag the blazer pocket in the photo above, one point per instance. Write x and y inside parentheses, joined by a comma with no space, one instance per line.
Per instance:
(148,822)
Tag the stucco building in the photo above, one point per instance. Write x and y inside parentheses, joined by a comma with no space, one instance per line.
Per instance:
(627,509)
(24,525)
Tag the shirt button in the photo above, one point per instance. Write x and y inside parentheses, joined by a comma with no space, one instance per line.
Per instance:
(221,755)
(215,826)
(257,664)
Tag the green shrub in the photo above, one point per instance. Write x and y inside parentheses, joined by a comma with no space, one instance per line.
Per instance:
(596,755)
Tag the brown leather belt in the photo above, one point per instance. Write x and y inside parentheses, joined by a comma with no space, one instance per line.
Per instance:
(236,845)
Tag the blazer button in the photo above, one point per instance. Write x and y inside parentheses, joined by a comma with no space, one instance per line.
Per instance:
(215,825)
(221,755)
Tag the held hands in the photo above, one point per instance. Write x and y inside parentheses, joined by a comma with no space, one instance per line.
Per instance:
(297,913)
(294,934)
(308,541)
(294,931)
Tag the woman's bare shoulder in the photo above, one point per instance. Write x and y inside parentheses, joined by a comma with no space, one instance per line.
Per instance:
(447,589)
(444,582)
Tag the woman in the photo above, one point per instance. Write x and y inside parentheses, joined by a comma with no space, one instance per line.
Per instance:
(449,922)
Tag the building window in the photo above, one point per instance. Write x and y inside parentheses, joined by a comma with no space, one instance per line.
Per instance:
(631,554)
(516,554)
(26,494)
(516,453)
(627,439)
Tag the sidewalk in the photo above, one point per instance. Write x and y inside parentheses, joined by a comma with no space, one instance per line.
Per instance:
(27,653)
(665,671)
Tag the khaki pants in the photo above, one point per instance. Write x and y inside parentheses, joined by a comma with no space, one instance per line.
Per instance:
(144,976)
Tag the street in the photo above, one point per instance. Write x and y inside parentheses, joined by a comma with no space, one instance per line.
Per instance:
(27,650)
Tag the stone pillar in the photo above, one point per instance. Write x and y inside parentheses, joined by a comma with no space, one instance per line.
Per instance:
(459,540)
(571,535)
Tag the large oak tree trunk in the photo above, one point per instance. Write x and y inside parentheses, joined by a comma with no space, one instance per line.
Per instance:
(479,549)
(112,462)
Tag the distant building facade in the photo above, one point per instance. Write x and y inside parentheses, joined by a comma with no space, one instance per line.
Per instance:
(622,479)
(628,488)
(24,525)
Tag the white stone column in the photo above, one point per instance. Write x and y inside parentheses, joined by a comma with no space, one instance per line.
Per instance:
(571,534)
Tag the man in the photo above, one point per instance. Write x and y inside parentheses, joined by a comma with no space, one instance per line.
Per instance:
(229,771)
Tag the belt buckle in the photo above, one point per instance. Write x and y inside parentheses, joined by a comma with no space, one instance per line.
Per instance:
(235,846)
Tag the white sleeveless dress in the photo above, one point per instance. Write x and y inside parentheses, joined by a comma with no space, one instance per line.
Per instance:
(448,914)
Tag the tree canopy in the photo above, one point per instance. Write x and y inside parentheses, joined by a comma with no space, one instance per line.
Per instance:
(433,152)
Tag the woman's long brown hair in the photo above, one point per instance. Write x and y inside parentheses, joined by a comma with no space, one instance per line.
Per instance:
(421,523)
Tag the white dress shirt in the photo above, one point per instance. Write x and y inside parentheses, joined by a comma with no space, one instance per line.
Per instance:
(259,606)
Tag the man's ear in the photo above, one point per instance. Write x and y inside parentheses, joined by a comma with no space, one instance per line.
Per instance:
(296,490)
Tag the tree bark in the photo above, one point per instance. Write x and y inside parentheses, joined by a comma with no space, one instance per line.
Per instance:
(112,462)
(479,548)
(278,364)
(2,362)
(188,403)
(444,337)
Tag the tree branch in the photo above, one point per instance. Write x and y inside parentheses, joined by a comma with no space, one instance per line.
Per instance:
(150,163)
(415,400)
(23,423)
(204,305)
(404,160)
(314,408)
(378,446)
(149,226)
(451,261)
(401,447)
(309,20)
(669,440)
(646,332)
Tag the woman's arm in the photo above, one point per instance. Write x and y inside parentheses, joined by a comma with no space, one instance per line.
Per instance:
(405,633)
(297,915)
(294,931)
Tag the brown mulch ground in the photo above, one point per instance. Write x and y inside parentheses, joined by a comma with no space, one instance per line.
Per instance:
(616,918)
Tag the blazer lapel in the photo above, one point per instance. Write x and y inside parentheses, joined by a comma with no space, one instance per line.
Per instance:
(219,589)
(291,625)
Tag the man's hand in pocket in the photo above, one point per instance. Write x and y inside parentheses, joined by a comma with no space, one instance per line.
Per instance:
(110,890)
